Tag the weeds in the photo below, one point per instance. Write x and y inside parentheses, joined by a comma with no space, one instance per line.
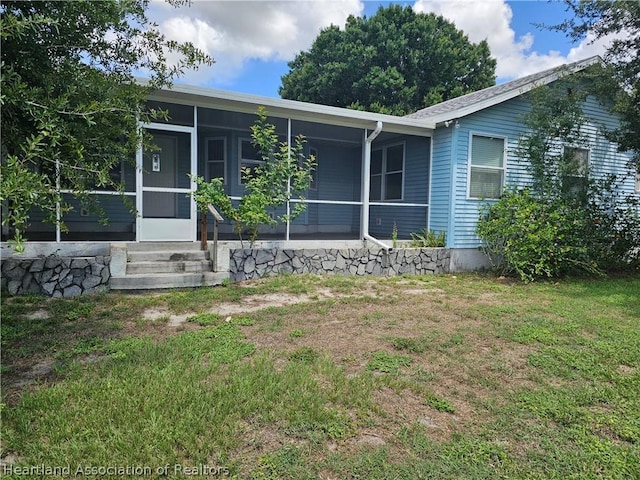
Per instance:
(478,378)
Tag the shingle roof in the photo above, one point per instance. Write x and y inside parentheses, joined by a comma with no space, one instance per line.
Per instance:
(473,102)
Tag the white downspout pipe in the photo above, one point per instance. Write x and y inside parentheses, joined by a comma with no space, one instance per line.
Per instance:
(366,185)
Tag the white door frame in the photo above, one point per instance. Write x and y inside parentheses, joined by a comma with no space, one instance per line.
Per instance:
(162,229)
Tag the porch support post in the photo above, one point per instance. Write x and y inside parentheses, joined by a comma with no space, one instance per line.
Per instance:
(194,171)
(139,187)
(58,212)
(288,231)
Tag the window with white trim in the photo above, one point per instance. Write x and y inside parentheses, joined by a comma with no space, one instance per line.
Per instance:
(575,169)
(486,167)
(638,181)
(250,158)
(216,156)
(313,184)
(387,173)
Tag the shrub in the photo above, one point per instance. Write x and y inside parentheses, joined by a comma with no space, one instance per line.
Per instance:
(529,237)
(539,237)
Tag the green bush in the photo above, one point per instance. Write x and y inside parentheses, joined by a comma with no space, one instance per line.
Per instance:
(536,237)
(570,221)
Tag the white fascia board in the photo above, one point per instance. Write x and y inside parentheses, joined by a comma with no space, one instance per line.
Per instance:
(246,103)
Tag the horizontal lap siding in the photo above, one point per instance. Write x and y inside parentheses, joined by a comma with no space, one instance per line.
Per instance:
(339,178)
(604,156)
(503,120)
(441,180)
(416,190)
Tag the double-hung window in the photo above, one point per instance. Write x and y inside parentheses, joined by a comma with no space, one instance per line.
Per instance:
(486,167)
(387,173)
(250,159)
(216,158)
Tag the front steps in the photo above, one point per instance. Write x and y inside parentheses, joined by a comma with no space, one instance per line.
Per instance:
(159,265)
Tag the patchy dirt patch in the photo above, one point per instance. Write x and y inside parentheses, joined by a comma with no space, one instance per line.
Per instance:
(38,315)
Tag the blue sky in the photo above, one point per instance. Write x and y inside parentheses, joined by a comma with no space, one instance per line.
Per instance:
(252,41)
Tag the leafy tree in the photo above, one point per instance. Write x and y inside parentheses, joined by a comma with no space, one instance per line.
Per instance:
(284,175)
(619,79)
(396,62)
(565,222)
(70,102)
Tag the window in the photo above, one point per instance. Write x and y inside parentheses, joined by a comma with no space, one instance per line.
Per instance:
(638,181)
(387,173)
(313,184)
(250,158)
(486,168)
(574,170)
(216,158)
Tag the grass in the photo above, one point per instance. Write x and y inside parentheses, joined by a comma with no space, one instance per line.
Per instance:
(463,376)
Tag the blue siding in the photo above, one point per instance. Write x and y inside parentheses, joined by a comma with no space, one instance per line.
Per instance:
(441,180)
(416,190)
(502,120)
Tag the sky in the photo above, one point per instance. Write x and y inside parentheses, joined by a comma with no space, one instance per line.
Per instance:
(252,41)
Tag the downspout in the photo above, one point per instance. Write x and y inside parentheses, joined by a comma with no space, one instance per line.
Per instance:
(366,184)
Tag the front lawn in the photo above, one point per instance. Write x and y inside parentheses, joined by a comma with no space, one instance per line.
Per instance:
(300,377)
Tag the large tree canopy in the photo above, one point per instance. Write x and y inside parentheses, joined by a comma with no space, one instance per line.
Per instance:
(70,102)
(396,61)
(620,78)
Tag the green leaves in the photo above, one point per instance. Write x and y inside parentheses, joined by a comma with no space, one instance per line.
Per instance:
(566,223)
(395,62)
(284,175)
(70,101)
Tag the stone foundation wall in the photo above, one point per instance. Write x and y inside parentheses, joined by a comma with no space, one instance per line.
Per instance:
(56,276)
(246,264)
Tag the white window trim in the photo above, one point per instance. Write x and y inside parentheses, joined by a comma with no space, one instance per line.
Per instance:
(224,153)
(315,170)
(580,147)
(637,181)
(244,160)
(384,171)
(469,165)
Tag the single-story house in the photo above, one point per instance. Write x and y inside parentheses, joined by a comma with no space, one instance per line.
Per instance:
(432,169)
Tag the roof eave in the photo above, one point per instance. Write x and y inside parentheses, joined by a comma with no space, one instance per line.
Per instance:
(246,103)
(440,119)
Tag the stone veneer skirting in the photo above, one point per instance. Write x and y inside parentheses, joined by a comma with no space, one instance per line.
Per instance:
(246,264)
(56,276)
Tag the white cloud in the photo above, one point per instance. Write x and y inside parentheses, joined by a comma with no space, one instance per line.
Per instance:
(491,20)
(233,32)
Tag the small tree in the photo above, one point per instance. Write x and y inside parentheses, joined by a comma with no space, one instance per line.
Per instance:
(71,105)
(565,222)
(284,175)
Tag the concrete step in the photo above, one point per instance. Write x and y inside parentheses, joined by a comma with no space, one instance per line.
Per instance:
(156,246)
(167,280)
(194,266)
(174,255)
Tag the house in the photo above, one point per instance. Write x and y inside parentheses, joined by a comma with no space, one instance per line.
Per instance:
(432,169)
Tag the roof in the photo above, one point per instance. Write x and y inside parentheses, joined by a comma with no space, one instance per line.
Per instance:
(476,101)
(246,103)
